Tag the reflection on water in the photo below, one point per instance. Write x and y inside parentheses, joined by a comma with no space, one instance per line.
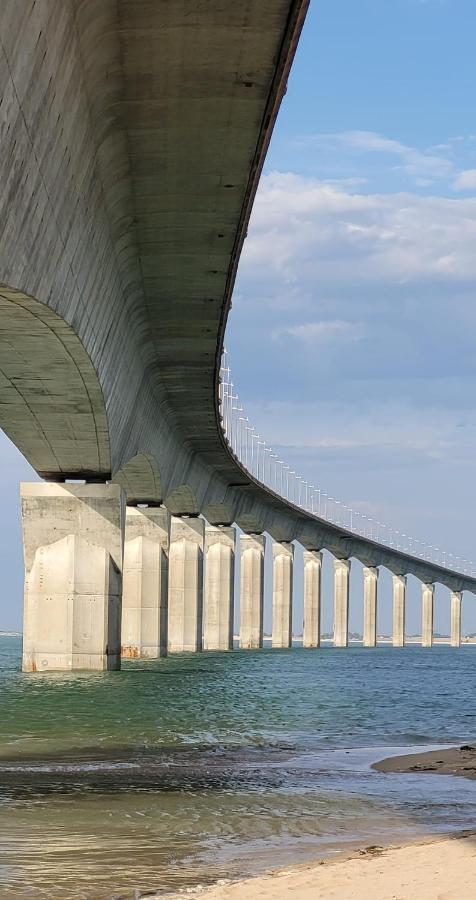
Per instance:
(193,768)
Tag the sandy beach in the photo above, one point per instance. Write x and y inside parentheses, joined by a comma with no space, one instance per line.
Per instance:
(455,761)
(438,870)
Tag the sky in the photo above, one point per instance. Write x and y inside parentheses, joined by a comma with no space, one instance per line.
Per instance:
(353,330)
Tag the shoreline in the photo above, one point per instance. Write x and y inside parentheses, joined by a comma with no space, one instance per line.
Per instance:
(459,761)
(437,866)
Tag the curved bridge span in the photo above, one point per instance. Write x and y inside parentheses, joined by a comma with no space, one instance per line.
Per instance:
(133,136)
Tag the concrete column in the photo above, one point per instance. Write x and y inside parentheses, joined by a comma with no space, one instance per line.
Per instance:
(73,542)
(399,598)
(427,592)
(456,597)
(219,588)
(341,602)
(312,598)
(283,556)
(370,606)
(251,590)
(145,582)
(186,584)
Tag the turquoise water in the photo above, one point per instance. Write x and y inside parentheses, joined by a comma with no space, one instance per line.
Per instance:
(181,771)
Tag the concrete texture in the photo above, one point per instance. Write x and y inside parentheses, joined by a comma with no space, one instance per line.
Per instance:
(72,539)
(399,604)
(427,612)
(312,598)
(251,590)
(145,583)
(341,602)
(283,556)
(185,584)
(455,612)
(370,606)
(218,609)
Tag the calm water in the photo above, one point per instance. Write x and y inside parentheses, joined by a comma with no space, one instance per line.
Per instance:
(193,768)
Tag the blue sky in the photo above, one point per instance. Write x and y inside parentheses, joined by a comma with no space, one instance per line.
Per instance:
(352,335)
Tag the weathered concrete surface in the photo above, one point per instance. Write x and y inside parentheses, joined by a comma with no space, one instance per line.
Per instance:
(218,609)
(145,583)
(427,613)
(399,604)
(251,590)
(455,613)
(72,540)
(283,556)
(341,602)
(370,606)
(312,598)
(186,584)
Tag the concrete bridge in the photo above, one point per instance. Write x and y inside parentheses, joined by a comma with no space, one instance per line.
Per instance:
(133,136)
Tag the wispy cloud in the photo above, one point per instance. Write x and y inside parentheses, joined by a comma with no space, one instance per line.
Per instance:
(466,180)
(323,331)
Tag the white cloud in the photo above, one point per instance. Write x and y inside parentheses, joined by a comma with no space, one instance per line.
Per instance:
(431,164)
(310,231)
(326,330)
(466,180)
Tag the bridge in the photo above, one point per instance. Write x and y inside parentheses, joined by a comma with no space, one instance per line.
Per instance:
(133,137)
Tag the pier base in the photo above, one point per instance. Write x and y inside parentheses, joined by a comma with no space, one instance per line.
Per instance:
(312,598)
(72,539)
(341,602)
(283,555)
(186,584)
(251,590)
(456,598)
(399,602)
(370,606)
(427,606)
(219,588)
(145,583)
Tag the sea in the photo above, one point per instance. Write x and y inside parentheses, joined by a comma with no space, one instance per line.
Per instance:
(175,773)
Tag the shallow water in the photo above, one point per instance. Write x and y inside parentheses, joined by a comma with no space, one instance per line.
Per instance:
(181,771)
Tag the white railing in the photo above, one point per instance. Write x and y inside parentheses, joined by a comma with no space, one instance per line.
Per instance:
(266,466)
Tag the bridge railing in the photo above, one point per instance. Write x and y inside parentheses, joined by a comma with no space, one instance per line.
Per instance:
(267,467)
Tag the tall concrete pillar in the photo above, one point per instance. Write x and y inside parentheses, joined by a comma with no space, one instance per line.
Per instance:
(341,602)
(399,603)
(370,606)
(456,597)
(427,604)
(73,542)
(251,590)
(312,598)
(219,588)
(185,584)
(145,582)
(283,556)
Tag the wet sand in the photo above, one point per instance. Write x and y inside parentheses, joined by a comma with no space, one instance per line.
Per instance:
(455,761)
(438,870)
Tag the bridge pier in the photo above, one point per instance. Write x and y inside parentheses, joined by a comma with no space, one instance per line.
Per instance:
(370,606)
(251,590)
(399,602)
(145,583)
(427,608)
(341,602)
(185,584)
(456,598)
(73,541)
(219,588)
(312,598)
(283,556)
